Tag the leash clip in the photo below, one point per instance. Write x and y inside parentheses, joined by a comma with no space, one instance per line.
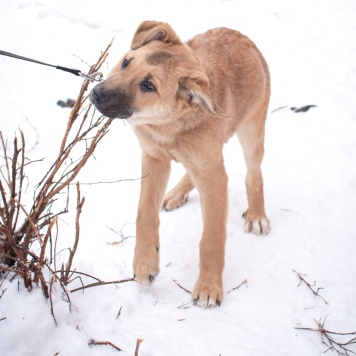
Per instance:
(95,77)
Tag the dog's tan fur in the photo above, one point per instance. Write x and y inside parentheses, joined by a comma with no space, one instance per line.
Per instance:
(205,91)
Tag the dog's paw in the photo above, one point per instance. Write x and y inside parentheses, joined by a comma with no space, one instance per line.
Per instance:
(255,224)
(207,295)
(146,266)
(174,200)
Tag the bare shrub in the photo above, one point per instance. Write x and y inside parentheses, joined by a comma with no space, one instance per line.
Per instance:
(340,342)
(22,229)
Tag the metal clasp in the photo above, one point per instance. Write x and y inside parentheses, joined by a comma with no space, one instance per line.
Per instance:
(95,77)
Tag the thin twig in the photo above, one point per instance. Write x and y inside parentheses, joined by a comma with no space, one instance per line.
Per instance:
(138,343)
(50,299)
(108,343)
(280,108)
(82,60)
(119,313)
(120,233)
(316,293)
(80,203)
(244,282)
(115,181)
(6,159)
(2,293)
(102,283)
(21,176)
(185,289)
(81,273)
(29,219)
(45,240)
(12,269)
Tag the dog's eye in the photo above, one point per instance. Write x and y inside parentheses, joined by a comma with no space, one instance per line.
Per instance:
(147,86)
(125,63)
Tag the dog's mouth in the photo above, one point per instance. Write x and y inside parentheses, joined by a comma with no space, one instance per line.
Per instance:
(113,103)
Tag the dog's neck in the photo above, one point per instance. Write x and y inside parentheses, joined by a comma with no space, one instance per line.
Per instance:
(168,134)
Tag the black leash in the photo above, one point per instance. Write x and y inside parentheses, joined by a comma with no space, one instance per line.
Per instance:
(92,77)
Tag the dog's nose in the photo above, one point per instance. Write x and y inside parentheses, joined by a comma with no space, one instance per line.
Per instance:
(98,95)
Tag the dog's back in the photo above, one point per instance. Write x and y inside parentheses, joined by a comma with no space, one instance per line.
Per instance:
(238,73)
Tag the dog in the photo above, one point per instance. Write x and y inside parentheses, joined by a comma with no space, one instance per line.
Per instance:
(184,101)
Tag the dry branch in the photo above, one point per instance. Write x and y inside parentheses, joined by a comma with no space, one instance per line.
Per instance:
(116,181)
(80,203)
(93,342)
(102,283)
(119,313)
(302,280)
(2,293)
(185,289)
(120,233)
(244,282)
(50,298)
(80,273)
(341,346)
(138,343)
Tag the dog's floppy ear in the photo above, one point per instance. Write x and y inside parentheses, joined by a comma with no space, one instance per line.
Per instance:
(154,31)
(195,90)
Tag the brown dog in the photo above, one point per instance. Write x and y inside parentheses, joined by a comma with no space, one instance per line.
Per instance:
(184,101)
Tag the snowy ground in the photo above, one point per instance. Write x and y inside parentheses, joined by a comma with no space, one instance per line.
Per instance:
(309,171)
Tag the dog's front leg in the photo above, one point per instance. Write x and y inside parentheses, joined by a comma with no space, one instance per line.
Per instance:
(155,170)
(212,186)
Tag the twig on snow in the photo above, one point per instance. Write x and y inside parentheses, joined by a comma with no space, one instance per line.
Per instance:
(316,293)
(280,108)
(120,233)
(2,293)
(119,313)
(80,203)
(138,343)
(244,282)
(340,347)
(102,283)
(304,108)
(114,181)
(185,289)
(81,273)
(50,299)
(92,342)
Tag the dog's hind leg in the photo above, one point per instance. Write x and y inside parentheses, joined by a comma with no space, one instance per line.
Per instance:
(251,136)
(179,194)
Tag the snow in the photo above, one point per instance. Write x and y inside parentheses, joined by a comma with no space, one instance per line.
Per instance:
(309,174)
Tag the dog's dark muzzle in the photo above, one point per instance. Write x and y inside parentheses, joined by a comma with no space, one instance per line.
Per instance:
(112,102)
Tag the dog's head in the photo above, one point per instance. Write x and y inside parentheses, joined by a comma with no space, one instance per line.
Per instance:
(156,82)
